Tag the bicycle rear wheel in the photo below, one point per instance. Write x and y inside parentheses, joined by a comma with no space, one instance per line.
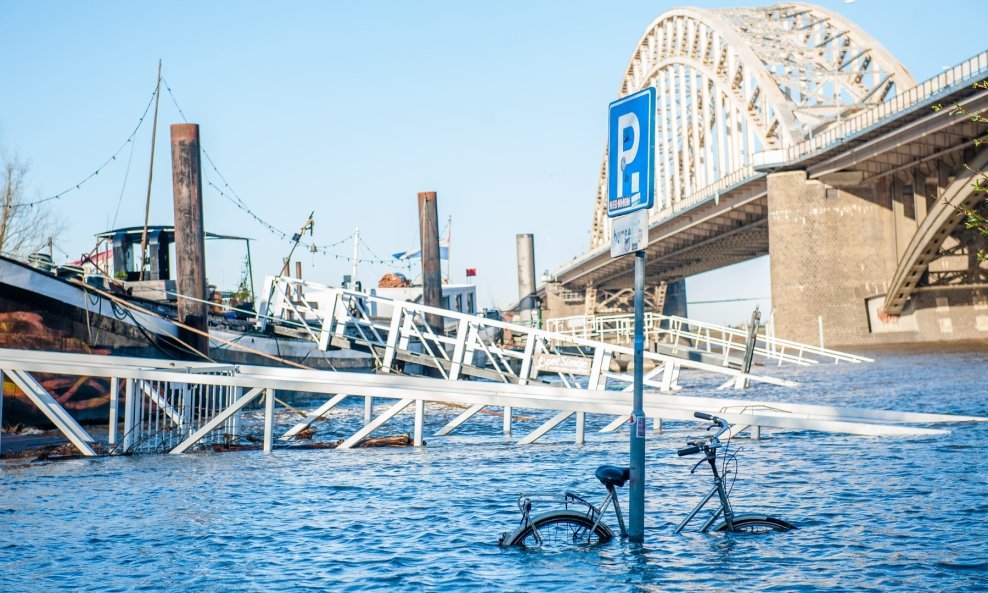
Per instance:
(561,529)
(757,524)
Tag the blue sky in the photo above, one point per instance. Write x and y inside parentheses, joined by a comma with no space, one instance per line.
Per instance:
(349,109)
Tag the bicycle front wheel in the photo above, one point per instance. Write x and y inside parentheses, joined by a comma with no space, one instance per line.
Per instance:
(561,529)
(757,524)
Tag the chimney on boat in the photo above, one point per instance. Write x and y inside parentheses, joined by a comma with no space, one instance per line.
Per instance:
(190,264)
(527,304)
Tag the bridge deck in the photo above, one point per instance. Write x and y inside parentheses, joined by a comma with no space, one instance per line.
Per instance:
(174,406)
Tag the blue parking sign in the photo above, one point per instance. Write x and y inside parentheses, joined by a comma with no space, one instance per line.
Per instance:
(631,153)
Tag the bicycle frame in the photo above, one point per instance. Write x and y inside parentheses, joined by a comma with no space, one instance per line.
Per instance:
(725,504)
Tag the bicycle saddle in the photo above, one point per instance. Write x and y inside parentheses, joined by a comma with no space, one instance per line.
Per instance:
(610,475)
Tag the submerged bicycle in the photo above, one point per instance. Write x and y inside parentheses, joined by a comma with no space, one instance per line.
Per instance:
(580,522)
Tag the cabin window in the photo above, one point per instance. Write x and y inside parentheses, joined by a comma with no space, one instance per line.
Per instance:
(470,308)
(459,303)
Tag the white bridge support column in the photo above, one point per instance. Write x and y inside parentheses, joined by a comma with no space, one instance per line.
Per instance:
(419,422)
(128,436)
(394,333)
(114,402)
(268,419)
(546,427)
(217,420)
(463,417)
(319,413)
(48,406)
(376,423)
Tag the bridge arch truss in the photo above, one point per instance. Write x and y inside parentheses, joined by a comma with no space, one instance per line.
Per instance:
(736,82)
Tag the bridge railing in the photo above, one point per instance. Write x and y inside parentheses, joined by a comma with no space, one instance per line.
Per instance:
(968,72)
(261,385)
(457,345)
(706,193)
(683,334)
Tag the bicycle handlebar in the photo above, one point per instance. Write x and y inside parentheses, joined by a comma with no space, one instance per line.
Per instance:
(703,416)
(691,450)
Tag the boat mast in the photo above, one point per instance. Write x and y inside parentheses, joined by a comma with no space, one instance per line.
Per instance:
(147,203)
(356,247)
(308,226)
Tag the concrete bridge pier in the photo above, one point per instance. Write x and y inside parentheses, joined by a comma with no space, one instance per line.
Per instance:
(675,301)
(834,245)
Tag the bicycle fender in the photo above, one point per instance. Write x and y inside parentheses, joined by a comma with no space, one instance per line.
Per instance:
(740,517)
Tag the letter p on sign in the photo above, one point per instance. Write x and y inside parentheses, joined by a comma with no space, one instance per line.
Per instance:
(628,131)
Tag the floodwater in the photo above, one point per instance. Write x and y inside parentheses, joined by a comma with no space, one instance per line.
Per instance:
(874,514)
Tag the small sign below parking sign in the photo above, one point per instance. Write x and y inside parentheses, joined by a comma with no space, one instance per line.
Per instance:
(629,233)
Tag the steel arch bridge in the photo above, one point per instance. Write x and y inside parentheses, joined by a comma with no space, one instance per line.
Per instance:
(735,82)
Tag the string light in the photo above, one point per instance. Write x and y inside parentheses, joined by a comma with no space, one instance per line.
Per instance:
(113,158)
(231,195)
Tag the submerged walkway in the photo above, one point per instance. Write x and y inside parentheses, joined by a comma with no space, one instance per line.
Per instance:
(405,337)
(171,406)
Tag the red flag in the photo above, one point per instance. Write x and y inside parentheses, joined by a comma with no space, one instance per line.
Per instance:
(471,272)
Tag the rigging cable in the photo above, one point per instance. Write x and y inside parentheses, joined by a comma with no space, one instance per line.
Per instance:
(229,193)
(79,185)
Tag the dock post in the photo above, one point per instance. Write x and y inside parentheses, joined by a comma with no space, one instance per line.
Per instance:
(368,409)
(128,436)
(419,421)
(432,280)
(114,402)
(190,259)
(268,419)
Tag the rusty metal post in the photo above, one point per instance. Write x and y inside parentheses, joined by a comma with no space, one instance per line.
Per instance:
(432,281)
(190,265)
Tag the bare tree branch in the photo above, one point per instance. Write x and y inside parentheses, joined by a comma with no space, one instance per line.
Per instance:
(24,228)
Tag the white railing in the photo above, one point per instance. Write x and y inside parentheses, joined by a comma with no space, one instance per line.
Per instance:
(253,385)
(461,345)
(965,73)
(682,335)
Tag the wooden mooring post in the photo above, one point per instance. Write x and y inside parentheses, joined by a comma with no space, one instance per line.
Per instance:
(190,270)
(432,280)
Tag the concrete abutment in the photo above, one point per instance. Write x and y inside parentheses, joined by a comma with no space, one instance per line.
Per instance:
(834,245)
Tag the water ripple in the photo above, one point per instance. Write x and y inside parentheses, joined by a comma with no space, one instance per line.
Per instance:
(875,514)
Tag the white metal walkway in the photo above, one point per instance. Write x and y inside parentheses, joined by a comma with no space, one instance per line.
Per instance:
(174,406)
(456,346)
(679,334)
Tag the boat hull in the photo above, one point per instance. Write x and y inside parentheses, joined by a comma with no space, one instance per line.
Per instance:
(41,312)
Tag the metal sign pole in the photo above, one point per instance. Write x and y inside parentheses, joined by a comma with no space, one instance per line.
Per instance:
(636,531)
(630,195)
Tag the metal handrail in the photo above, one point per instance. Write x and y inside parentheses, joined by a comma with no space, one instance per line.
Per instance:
(699,333)
(966,72)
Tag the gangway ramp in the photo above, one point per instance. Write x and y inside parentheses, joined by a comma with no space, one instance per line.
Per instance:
(400,338)
(175,407)
(718,344)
